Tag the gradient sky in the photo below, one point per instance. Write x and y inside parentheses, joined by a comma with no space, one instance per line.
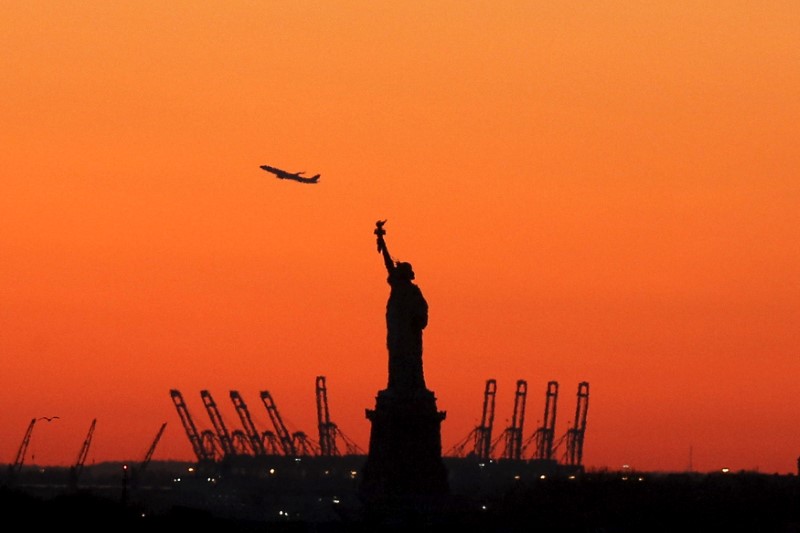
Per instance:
(603,192)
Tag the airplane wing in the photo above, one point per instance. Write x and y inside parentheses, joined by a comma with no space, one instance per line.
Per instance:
(301,179)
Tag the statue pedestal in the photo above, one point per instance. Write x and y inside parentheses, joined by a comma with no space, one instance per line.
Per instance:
(404,475)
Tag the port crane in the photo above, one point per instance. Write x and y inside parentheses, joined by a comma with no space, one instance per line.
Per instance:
(285,439)
(201,449)
(212,449)
(149,454)
(574,453)
(481,435)
(255,439)
(544,435)
(513,433)
(77,468)
(303,445)
(16,466)
(224,438)
(137,471)
(272,443)
(328,431)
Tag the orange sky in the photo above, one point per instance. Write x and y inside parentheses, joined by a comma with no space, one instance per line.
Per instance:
(605,193)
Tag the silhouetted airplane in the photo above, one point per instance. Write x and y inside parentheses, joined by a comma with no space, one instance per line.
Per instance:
(297,176)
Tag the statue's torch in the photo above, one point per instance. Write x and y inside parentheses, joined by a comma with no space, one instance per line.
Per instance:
(380,232)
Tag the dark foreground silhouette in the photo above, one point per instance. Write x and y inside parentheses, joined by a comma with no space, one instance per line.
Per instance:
(590,503)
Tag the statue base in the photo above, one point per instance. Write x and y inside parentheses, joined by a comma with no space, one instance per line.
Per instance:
(404,475)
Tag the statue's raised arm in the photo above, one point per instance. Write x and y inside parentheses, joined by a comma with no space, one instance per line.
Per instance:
(387,259)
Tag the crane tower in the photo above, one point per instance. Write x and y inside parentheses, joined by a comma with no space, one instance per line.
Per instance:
(483,433)
(513,434)
(546,433)
(327,429)
(576,433)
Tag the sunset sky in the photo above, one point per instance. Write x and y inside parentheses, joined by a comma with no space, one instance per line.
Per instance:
(598,191)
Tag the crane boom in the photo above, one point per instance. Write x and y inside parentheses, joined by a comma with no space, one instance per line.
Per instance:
(327,429)
(195,438)
(256,440)
(16,466)
(152,449)
(77,468)
(576,433)
(280,428)
(219,425)
(23,448)
(85,447)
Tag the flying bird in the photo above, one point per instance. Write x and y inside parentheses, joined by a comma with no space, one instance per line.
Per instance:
(296,176)
(48,418)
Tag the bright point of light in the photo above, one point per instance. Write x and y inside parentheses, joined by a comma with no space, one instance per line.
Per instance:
(572,476)
(296,459)
(191,469)
(542,477)
(484,507)
(336,500)
(272,471)
(726,470)
(516,476)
